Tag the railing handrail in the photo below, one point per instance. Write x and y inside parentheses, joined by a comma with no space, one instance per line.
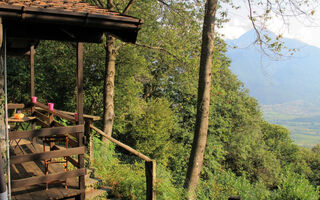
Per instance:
(126,147)
(85,116)
(55,112)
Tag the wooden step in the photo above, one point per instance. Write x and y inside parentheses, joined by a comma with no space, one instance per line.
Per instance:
(96,193)
(92,183)
(90,173)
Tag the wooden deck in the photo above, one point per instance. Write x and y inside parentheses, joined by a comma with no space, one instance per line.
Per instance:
(36,168)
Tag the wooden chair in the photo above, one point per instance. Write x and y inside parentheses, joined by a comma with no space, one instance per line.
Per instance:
(50,141)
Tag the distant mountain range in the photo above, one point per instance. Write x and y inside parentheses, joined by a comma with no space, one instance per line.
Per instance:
(274,82)
(288,90)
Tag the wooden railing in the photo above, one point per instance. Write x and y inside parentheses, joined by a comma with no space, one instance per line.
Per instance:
(52,127)
(54,112)
(54,131)
(150,165)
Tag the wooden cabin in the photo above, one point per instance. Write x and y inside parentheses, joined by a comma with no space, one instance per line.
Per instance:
(42,169)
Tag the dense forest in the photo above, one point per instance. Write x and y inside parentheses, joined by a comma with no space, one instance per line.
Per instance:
(155,109)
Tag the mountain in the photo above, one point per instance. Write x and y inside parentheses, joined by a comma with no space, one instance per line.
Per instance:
(273,82)
(288,89)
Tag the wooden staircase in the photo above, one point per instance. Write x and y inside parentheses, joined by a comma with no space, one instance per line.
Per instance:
(94,189)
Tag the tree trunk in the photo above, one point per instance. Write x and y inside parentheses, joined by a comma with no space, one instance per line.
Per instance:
(201,129)
(108,93)
(108,107)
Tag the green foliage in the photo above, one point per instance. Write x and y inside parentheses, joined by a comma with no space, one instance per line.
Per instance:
(152,131)
(155,108)
(224,184)
(294,186)
(125,183)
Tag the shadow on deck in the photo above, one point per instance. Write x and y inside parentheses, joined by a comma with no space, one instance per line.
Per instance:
(35,169)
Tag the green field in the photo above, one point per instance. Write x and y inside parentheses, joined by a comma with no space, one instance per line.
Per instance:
(302,119)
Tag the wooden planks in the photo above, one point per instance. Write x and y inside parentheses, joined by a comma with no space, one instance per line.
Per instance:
(38,192)
(47,178)
(47,155)
(46,132)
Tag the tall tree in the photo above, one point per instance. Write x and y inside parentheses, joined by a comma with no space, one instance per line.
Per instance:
(201,129)
(108,100)
(268,8)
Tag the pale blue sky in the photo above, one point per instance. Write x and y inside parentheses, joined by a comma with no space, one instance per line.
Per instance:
(305,30)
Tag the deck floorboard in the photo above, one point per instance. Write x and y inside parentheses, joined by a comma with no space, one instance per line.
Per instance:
(29,169)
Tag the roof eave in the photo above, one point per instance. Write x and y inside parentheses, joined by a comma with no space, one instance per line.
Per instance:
(124,27)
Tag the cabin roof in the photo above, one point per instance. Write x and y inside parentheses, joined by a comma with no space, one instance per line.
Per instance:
(28,21)
(63,5)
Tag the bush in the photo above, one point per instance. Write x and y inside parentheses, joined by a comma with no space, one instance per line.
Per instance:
(128,180)
(294,186)
(225,184)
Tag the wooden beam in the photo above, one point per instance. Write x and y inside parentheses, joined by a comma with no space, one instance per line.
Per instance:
(68,158)
(73,162)
(41,123)
(32,90)
(55,112)
(126,147)
(1,32)
(80,82)
(80,112)
(47,155)
(150,167)
(47,178)
(43,117)
(85,116)
(57,124)
(88,134)
(46,132)
(15,106)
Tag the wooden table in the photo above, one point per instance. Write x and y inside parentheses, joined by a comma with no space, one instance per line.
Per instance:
(19,123)
(25,119)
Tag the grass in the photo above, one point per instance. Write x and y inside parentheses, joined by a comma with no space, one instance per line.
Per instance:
(304,130)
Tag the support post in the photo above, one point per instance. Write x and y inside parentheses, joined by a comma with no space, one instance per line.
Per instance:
(88,134)
(32,90)
(6,110)
(150,179)
(80,113)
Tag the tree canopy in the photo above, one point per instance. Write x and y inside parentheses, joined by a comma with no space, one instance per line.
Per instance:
(155,95)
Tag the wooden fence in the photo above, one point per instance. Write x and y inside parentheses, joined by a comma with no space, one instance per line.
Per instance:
(150,165)
(54,131)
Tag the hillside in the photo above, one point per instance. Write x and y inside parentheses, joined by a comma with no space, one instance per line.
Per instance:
(287,90)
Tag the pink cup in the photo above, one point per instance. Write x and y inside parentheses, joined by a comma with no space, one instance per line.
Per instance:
(76,116)
(51,105)
(34,99)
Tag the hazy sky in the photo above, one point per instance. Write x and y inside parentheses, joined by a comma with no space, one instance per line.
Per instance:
(305,30)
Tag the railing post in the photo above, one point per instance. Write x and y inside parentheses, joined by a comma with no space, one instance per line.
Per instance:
(89,135)
(150,179)
(80,113)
